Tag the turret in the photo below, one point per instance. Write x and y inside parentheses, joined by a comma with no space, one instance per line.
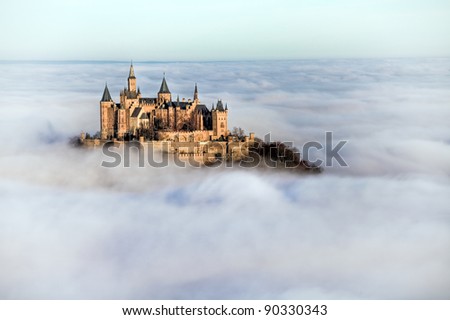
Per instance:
(164,94)
(106,114)
(131,79)
(106,95)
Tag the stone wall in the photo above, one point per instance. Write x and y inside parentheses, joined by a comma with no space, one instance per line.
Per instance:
(185,136)
(207,150)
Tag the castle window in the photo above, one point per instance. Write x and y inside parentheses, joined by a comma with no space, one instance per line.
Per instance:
(222,125)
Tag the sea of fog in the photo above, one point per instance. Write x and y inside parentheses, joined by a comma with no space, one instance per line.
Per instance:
(377,229)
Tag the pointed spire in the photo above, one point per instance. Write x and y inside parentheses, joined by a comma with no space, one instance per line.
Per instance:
(226,106)
(196,92)
(212,109)
(164,88)
(106,94)
(131,75)
(139,90)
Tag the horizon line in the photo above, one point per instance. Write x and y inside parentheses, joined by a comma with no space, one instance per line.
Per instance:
(213,60)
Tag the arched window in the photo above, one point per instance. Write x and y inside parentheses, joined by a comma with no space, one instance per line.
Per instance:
(222,125)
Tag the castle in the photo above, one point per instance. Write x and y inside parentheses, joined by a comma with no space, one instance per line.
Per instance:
(160,118)
(186,129)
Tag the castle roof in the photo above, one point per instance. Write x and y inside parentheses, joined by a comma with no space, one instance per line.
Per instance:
(130,94)
(201,108)
(136,112)
(164,87)
(172,104)
(220,106)
(147,100)
(106,95)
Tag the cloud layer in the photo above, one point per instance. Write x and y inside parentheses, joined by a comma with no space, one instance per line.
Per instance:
(379,228)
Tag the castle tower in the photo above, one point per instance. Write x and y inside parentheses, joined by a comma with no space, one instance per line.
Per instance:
(196,93)
(164,92)
(220,120)
(106,114)
(121,122)
(131,79)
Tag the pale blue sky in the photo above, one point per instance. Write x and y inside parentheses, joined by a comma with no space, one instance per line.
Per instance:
(226,30)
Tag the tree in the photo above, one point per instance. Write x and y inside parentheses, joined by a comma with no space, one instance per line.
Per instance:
(146,130)
(238,132)
(281,153)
